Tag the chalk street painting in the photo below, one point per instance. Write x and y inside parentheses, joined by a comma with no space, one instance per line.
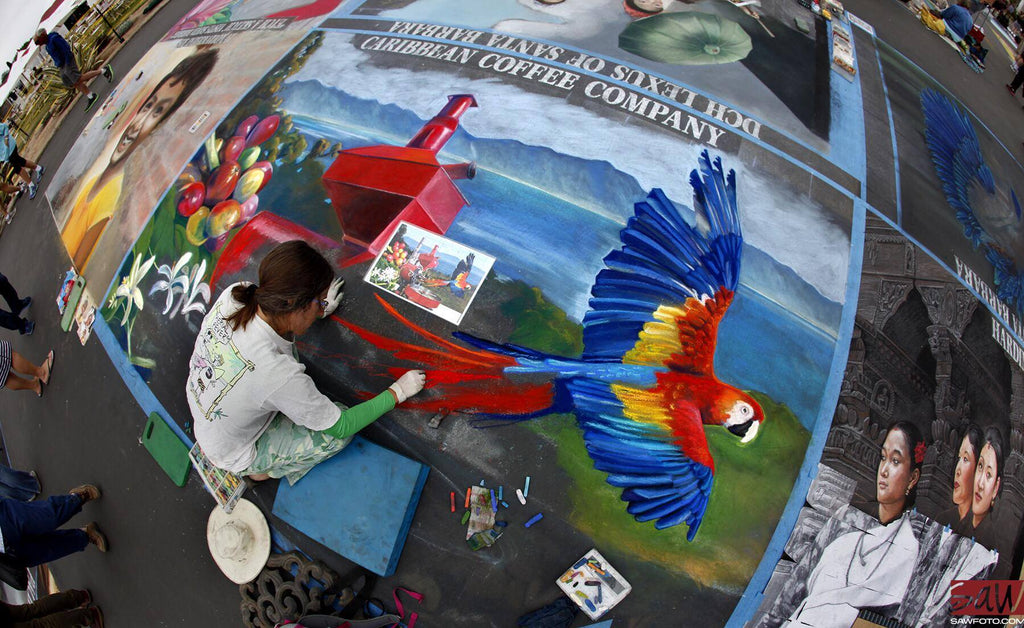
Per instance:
(103,193)
(949,160)
(930,364)
(630,307)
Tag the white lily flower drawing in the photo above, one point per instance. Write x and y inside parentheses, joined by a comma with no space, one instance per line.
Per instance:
(179,280)
(129,295)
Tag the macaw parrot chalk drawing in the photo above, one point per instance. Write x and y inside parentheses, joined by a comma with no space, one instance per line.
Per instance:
(644,388)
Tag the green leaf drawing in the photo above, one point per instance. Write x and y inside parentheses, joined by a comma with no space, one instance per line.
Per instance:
(688,38)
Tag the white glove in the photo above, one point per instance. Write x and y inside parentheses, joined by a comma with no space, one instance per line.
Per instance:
(408,385)
(334,294)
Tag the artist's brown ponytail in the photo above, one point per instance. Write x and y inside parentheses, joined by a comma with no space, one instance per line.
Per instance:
(291,277)
(246,295)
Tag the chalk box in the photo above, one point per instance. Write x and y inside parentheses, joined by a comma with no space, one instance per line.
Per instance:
(225,486)
(593,584)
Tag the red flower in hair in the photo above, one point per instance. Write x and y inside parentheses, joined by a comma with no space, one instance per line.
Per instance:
(919,452)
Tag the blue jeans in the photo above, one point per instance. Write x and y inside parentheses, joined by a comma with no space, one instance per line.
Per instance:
(17,485)
(30,529)
(11,320)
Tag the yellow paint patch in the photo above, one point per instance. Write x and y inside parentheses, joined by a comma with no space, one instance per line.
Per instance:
(641,406)
(659,339)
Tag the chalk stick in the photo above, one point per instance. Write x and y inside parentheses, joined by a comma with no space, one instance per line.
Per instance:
(465,517)
(494,502)
(481,482)
(451,497)
(501,493)
(534,519)
(526,489)
(522,498)
(469,492)
(504,503)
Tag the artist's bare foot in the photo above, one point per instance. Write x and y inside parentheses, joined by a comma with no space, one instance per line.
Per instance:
(38,387)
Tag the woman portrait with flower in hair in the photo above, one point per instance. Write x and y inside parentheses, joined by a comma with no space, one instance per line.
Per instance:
(899,471)
(870,567)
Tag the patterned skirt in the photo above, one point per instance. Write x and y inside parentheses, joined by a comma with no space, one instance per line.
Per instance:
(289,450)
(5,362)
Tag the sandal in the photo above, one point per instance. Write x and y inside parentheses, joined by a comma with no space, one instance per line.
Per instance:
(49,367)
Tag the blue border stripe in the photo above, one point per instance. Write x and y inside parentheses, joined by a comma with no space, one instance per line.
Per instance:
(892,134)
(846,138)
(136,385)
(752,596)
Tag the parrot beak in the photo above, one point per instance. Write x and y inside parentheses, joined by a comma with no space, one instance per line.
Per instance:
(746,431)
(752,432)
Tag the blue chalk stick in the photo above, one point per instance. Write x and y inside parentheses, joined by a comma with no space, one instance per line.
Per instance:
(481,482)
(494,502)
(505,504)
(534,519)
(526,489)
(501,493)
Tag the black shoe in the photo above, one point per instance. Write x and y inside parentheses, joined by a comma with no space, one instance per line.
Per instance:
(25,303)
(91,101)
(108,72)
(30,326)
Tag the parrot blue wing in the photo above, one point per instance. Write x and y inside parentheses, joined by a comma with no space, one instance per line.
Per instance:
(657,462)
(957,157)
(663,261)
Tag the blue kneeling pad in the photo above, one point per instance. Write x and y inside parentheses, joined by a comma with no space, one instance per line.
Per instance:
(360,503)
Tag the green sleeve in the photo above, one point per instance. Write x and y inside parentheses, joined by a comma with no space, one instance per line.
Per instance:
(357,417)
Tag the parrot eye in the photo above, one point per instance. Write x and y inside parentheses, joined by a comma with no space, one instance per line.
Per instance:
(746,410)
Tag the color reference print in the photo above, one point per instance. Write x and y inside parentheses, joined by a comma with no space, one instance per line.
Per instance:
(429,271)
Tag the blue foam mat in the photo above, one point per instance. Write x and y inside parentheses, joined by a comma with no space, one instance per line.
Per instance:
(360,504)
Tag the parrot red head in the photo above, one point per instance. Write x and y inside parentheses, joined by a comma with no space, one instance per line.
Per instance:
(737,412)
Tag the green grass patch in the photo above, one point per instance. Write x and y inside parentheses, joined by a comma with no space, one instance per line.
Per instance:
(752,485)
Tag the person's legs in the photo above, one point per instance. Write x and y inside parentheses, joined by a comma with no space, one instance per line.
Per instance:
(46,548)
(21,519)
(16,382)
(10,295)
(12,380)
(1018,79)
(22,365)
(289,450)
(65,619)
(16,484)
(54,603)
(9,320)
(18,164)
(88,76)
